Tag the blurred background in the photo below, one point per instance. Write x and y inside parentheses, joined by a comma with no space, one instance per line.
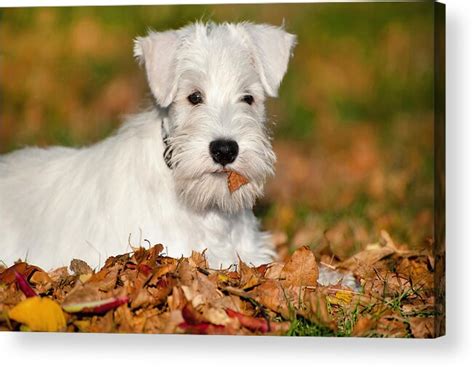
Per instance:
(353,124)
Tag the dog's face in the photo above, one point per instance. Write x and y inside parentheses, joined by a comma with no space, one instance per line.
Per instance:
(213,80)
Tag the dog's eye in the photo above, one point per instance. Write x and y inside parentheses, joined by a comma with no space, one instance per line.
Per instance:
(195,98)
(248,99)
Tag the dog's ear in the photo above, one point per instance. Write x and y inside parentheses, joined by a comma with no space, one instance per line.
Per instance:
(157,51)
(273,48)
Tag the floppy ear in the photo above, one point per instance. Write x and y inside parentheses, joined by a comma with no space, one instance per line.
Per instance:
(157,51)
(273,48)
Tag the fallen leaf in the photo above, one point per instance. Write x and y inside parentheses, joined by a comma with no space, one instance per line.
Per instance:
(24,286)
(198,260)
(235,181)
(102,324)
(58,274)
(39,314)
(79,267)
(362,326)
(301,269)
(391,325)
(249,277)
(106,278)
(96,307)
(146,292)
(271,294)
(341,298)
(273,271)
(125,321)
(422,327)
(8,275)
(40,278)
(366,258)
(191,315)
(252,323)
(218,316)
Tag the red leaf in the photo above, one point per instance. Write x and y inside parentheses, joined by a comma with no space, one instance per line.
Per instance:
(96,307)
(144,269)
(24,286)
(251,323)
(192,316)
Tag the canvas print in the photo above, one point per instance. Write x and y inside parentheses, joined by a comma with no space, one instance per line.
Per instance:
(260,169)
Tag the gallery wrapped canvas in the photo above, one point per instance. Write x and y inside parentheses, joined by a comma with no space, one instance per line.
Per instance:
(259,169)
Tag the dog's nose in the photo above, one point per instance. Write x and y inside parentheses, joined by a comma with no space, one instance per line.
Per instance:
(224,151)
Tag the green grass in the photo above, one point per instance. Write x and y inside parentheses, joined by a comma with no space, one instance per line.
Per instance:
(302,327)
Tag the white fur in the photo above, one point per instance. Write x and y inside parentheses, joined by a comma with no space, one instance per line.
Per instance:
(59,203)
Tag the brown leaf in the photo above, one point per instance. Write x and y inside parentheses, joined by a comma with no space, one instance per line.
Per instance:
(273,271)
(162,270)
(141,298)
(362,326)
(106,278)
(235,181)
(366,258)
(176,300)
(249,277)
(8,275)
(201,291)
(198,260)
(150,256)
(79,267)
(301,269)
(271,295)
(161,289)
(422,327)
(82,293)
(391,325)
(186,273)
(125,321)
(101,324)
(59,274)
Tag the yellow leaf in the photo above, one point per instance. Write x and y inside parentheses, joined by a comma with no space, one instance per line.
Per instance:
(346,297)
(39,314)
(222,278)
(341,298)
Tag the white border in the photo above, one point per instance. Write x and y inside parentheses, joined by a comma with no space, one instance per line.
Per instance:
(456,349)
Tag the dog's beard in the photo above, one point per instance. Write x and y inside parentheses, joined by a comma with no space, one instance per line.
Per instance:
(203,185)
(210,191)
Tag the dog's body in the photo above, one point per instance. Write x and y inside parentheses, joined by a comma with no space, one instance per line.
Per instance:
(95,211)
(163,176)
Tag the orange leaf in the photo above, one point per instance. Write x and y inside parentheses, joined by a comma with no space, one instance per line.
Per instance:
(235,181)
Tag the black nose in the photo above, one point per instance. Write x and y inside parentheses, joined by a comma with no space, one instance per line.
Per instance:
(224,151)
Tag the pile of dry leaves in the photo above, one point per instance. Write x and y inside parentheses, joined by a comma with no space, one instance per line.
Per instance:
(148,292)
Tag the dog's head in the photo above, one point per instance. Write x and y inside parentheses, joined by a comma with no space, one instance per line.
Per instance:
(213,79)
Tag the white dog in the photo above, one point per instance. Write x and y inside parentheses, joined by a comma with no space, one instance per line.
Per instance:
(163,176)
